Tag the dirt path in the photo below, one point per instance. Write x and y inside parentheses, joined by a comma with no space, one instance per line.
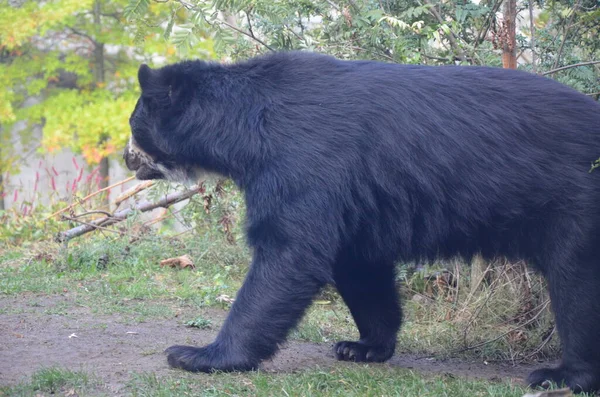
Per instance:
(110,348)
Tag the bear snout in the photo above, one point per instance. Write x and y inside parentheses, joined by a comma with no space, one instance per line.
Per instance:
(132,160)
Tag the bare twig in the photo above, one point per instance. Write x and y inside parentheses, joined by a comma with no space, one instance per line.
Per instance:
(249,24)
(565,34)
(89,196)
(91,212)
(332,4)
(251,35)
(475,346)
(179,234)
(167,201)
(162,217)
(541,346)
(570,66)
(82,34)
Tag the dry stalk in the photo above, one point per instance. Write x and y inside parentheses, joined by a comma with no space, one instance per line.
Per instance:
(132,191)
(89,196)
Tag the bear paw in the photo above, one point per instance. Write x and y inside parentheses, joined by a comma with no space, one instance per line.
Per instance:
(205,359)
(362,352)
(580,380)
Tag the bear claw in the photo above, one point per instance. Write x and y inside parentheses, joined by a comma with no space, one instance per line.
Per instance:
(362,352)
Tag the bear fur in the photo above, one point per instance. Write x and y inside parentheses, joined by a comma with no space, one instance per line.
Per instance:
(348,167)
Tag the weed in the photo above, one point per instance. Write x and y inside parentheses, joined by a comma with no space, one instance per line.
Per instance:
(199,322)
(52,381)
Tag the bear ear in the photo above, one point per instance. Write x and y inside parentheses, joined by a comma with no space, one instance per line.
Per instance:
(155,86)
(146,77)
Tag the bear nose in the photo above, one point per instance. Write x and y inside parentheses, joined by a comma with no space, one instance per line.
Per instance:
(132,161)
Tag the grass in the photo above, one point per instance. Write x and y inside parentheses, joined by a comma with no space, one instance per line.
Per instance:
(362,381)
(53,381)
(107,273)
(359,381)
(122,277)
(119,276)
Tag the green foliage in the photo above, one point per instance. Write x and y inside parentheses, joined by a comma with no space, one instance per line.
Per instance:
(17,228)
(80,59)
(399,31)
(199,322)
(136,8)
(405,31)
(41,41)
(567,36)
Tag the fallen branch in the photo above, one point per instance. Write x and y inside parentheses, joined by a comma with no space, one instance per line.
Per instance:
(119,216)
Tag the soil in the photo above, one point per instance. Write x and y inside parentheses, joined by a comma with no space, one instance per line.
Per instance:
(112,347)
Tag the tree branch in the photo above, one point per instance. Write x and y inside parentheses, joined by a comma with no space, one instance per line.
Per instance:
(87,36)
(570,66)
(451,36)
(488,23)
(251,35)
(565,34)
(250,25)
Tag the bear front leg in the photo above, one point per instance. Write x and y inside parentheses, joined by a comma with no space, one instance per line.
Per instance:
(277,290)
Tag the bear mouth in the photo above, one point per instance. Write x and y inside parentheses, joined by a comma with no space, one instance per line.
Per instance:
(140,162)
(146,168)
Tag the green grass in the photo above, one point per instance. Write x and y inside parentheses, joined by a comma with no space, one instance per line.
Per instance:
(119,276)
(123,278)
(105,273)
(359,381)
(53,381)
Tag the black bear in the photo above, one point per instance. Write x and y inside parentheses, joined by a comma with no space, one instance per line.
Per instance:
(350,166)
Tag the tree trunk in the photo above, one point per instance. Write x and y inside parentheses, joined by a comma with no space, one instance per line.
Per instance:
(99,79)
(509,42)
(2,182)
(532,41)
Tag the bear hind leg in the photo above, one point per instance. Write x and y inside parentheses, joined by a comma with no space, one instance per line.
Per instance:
(575,296)
(370,294)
